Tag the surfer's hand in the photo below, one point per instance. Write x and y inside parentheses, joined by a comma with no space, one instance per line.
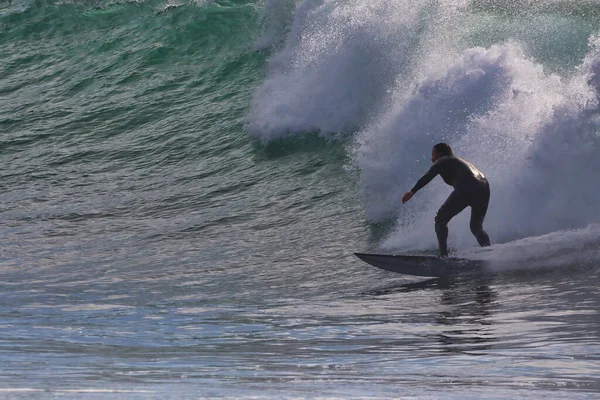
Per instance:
(407,196)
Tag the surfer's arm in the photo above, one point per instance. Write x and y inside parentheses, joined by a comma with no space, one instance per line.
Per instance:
(432,173)
(425,179)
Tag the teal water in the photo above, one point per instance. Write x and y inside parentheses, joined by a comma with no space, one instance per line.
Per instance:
(184,185)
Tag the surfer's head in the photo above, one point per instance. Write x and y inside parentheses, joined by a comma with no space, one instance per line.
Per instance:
(440,150)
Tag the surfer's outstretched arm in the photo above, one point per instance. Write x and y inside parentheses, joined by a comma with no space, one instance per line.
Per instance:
(425,179)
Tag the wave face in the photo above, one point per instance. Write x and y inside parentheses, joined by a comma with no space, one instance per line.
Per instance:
(516,99)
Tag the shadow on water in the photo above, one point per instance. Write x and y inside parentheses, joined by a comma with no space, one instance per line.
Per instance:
(466,309)
(433,283)
(467,319)
(442,283)
(469,308)
(464,314)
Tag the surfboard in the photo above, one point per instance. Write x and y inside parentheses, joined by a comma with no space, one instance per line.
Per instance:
(429,266)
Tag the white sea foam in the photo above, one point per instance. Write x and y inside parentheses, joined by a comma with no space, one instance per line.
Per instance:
(337,67)
(537,144)
(578,247)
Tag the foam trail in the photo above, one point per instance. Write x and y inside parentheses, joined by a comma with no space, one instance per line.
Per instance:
(337,66)
(580,247)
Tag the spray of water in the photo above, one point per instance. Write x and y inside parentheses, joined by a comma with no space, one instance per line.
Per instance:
(337,67)
(537,144)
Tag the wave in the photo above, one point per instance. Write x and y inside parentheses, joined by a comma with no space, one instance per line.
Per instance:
(400,78)
(114,81)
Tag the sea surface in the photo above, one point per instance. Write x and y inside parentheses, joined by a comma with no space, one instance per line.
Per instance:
(184,184)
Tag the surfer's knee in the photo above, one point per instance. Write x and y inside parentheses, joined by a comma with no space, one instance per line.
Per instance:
(476,228)
(440,223)
(482,237)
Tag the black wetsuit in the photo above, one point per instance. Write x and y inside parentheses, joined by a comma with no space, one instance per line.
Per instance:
(470,189)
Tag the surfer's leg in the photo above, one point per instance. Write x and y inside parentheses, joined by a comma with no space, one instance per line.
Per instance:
(478,210)
(453,205)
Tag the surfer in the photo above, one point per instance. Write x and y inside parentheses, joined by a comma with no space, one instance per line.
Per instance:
(471,188)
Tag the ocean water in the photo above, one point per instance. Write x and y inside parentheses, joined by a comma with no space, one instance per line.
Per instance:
(184,184)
